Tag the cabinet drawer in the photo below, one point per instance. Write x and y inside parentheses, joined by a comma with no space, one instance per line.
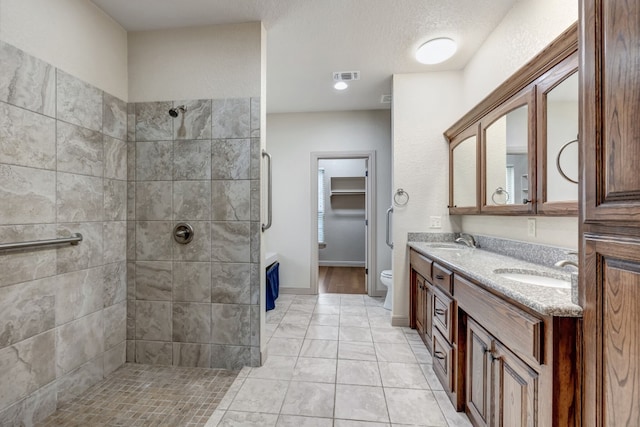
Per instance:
(517,329)
(442,278)
(443,357)
(420,264)
(444,314)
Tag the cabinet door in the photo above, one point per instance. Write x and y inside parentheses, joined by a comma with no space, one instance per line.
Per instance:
(514,390)
(612,334)
(610,130)
(478,382)
(428,312)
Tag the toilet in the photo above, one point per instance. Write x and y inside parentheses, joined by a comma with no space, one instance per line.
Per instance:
(386,277)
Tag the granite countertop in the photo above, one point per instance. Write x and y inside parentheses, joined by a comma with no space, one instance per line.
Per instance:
(480,264)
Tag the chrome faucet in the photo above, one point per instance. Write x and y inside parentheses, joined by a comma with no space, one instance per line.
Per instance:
(466,239)
(565,262)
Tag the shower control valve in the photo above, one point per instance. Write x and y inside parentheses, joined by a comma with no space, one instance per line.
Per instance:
(183,233)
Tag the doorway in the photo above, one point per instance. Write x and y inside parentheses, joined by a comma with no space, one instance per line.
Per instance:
(343,218)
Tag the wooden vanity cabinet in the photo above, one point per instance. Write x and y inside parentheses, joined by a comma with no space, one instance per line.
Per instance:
(421,297)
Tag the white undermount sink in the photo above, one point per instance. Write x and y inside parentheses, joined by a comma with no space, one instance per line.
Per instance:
(534,278)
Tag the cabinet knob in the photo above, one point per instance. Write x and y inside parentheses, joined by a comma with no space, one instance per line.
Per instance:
(440,311)
(439,276)
(439,355)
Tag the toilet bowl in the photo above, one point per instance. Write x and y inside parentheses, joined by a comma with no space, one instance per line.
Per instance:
(386,277)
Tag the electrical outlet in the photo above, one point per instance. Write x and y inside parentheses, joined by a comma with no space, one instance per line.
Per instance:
(436,222)
(531,227)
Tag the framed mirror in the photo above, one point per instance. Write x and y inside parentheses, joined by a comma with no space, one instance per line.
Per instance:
(465,172)
(508,157)
(557,98)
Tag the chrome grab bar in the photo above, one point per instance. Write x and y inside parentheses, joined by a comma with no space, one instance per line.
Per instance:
(74,240)
(269,192)
(389,212)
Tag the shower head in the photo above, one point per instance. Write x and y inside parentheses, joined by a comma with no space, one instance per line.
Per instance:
(173,112)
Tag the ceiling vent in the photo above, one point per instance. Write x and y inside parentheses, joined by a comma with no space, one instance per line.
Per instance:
(385,99)
(346,76)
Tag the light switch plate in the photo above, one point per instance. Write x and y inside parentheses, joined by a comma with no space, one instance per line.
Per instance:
(531,227)
(436,222)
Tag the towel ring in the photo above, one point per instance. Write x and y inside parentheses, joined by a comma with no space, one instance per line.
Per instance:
(500,190)
(560,171)
(401,198)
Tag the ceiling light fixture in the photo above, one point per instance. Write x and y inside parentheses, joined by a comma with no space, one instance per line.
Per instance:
(340,86)
(436,51)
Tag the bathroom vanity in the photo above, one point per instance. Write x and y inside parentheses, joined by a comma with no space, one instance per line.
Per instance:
(504,351)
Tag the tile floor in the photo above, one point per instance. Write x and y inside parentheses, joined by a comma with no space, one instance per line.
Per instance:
(334,360)
(144,395)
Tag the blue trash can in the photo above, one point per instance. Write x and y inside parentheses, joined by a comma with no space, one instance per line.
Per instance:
(273,285)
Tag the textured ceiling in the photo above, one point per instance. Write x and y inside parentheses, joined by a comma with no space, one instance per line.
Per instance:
(309,39)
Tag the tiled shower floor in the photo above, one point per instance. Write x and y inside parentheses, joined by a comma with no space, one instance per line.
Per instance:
(144,395)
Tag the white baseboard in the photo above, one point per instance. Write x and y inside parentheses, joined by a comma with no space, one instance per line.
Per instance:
(399,320)
(296,291)
(341,264)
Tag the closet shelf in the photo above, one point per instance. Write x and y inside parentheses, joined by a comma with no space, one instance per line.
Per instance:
(347,185)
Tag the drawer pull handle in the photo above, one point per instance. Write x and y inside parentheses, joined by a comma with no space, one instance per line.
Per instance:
(439,355)
(439,277)
(441,312)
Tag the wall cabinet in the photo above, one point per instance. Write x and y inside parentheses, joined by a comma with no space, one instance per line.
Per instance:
(524,125)
(501,363)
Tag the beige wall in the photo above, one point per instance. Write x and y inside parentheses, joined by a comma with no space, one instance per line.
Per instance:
(220,61)
(423,106)
(72,35)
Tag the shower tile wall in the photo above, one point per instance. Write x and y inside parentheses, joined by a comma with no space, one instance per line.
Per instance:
(194,304)
(63,169)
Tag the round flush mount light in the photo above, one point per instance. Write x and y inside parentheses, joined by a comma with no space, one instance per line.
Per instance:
(340,86)
(436,51)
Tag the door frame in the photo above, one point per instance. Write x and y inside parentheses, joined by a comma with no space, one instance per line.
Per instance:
(370,157)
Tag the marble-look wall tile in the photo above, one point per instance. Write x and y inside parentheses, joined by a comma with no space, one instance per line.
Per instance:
(231,283)
(24,266)
(192,200)
(79,380)
(255,200)
(154,161)
(131,320)
(195,123)
(153,320)
(131,201)
(199,249)
(256,273)
(153,200)
(255,325)
(193,355)
(230,159)
(230,357)
(26,309)
(154,353)
(28,139)
(131,122)
(79,198)
(78,293)
(192,281)
(255,242)
(192,160)
(27,366)
(231,200)
(131,240)
(114,358)
(115,283)
(230,324)
(78,102)
(255,117)
(115,200)
(230,241)
(153,280)
(115,158)
(131,280)
(79,150)
(114,122)
(26,81)
(231,118)
(87,253)
(28,195)
(191,322)
(131,351)
(115,325)
(153,121)
(131,161)
(153,240)
(78,342)
(35,407)
(256,158)
(115,241)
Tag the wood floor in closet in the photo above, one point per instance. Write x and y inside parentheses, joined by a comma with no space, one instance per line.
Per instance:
(341,280)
